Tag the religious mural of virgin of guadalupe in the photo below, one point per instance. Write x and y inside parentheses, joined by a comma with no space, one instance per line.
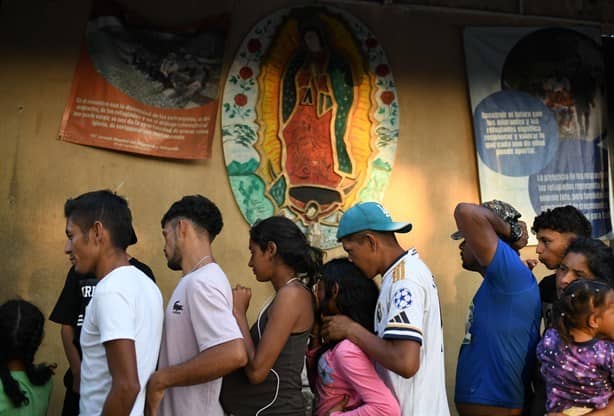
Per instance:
(310,119)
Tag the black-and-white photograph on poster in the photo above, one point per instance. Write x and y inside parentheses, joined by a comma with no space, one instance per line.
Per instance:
(538,105)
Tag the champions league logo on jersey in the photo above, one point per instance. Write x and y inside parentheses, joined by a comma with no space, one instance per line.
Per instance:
(402,299)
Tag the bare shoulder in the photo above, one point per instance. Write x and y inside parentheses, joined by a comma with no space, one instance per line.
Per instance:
(294,292)
(294,302)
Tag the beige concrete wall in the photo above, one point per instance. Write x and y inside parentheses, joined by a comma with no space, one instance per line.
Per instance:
(39,44)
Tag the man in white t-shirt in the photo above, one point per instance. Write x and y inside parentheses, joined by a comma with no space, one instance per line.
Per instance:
(202,341)
(408,347)
(124,317)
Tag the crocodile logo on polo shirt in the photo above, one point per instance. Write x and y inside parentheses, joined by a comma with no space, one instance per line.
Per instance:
(177,307)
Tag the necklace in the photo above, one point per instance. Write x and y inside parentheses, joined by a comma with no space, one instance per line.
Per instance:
(291,280)
(199,263)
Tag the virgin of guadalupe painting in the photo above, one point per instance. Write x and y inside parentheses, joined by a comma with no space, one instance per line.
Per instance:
(310,119)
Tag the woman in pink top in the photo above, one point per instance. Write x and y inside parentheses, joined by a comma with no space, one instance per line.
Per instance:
(341,375)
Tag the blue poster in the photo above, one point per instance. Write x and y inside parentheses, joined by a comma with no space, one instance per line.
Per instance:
(538,105)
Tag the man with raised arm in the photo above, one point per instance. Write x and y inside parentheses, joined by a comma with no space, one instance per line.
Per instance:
(497,355)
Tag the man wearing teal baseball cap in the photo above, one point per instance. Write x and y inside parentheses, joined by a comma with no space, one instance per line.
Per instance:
(408,347)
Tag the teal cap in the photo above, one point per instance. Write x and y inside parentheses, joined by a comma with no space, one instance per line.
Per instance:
(369,216)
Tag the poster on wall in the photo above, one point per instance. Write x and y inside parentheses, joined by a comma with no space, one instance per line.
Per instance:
(538,105)
(141,90)
(309,119)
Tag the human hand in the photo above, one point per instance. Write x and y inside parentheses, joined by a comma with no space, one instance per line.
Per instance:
(531,263)
(153,394)
(524,238)
(339,407)
(241,296)
(335,327)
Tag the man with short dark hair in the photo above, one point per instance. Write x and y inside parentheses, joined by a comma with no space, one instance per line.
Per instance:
(555,229)
(408,347)
(124,316)
(497,355)
(69,312)
(202,341)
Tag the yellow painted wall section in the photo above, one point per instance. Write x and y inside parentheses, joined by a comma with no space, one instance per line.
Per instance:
(39,44)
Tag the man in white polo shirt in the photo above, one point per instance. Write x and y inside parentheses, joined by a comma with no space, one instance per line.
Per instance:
(202,341)
(408,347)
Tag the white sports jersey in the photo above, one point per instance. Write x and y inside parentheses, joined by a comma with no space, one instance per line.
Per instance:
(408,309)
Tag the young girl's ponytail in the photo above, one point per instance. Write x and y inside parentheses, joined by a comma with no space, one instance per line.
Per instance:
(578,301)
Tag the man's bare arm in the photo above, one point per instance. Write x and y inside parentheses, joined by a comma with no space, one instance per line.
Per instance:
(208,365)
(399,356)
(481,229)
(121,357)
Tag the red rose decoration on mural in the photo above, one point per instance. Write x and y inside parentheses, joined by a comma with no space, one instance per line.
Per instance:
(371,43)
(382,70)
(254,45)
(240,100)
(387,97)
(246,72)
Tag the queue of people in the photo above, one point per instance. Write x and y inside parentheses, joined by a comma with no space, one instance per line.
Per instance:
(368,350)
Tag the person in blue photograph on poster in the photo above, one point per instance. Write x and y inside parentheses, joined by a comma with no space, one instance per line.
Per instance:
(565,70)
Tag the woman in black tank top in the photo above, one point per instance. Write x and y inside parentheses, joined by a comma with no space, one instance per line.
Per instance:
(270,384)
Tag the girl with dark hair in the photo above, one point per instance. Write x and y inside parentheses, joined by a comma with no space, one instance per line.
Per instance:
(26,387)
(340,373)
(577,355)
(585,258)
(271,382)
